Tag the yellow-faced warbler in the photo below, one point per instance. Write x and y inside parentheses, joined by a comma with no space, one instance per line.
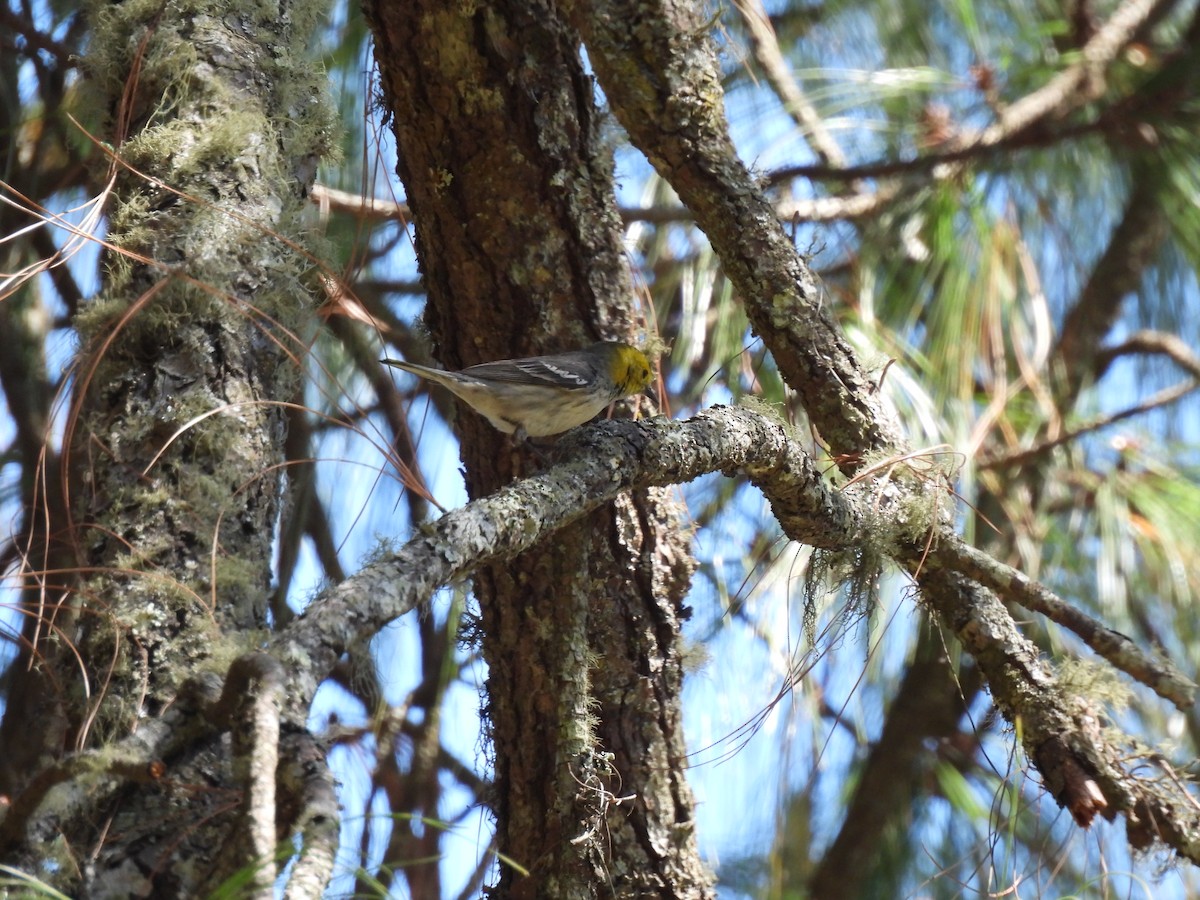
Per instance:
(544,395)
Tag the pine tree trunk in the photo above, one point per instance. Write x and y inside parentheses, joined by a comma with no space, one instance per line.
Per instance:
(519,242)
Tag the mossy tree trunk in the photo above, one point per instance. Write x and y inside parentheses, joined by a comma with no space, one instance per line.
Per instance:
(217,119)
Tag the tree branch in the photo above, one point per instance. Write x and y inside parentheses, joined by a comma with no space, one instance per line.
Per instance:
(605,460)
(1115,275)
(306,785)
(658,69)
(1084,764)
(1158,674)
(1164,397)
(1147,341)
(1077,84)
(765,45)
(252,700)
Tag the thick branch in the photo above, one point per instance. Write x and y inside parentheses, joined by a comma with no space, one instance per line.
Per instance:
(1060,734)
(606,460)
(1158,674)
(1116,275)
(309,803)
(658,69)
(1083,764)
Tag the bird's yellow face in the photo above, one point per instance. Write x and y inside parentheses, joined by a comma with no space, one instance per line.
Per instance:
(631,370)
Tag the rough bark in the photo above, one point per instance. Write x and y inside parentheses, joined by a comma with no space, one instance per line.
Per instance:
(217,119)
(657,66)
(518,238)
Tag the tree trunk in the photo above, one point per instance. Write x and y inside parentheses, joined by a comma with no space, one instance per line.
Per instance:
(519,243)
(217,122)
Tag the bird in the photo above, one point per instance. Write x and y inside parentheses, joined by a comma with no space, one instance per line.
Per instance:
(540,396)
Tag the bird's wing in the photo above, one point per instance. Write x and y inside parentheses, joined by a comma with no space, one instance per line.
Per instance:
(562,370)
